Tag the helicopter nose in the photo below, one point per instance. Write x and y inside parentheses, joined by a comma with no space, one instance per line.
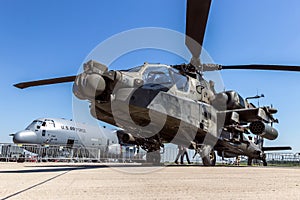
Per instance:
(87,86)
(25,137)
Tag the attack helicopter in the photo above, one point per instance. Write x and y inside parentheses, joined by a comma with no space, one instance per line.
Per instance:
(156,104)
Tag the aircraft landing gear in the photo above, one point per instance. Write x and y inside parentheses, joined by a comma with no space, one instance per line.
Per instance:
(249,163)
(264,162)
(153,157)
(207,154)
(210,159)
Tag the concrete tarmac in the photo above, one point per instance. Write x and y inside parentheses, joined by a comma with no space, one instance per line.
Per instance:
(97,181)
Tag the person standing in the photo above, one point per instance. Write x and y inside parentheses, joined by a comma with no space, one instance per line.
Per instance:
(182,151)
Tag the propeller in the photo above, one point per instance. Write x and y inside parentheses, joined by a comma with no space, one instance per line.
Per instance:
(196,19)
(45,82)
(197,12)
(214,67)
(263,67)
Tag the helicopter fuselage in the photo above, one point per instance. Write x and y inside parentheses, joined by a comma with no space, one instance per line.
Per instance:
(156,104)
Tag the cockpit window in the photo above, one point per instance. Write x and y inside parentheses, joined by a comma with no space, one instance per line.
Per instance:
(181,81)
(135,69)
(242,102)
(34,125)
(49,123)
(157,75)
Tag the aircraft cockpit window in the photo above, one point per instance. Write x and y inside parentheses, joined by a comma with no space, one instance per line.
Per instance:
(34,125)
(181,81)
(242,101)
(157,75)
(49,123)
(135,69)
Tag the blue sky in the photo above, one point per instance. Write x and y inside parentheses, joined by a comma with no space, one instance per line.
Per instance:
(43,39)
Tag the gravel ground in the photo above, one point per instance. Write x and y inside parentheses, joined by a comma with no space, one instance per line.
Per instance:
(96,181)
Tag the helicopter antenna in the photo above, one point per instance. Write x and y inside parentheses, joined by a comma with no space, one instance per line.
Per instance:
(256,97)
(271,121)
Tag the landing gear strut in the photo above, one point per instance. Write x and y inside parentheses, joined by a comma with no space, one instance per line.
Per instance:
(207,154)
(265,162)
(210,159)
(249,163)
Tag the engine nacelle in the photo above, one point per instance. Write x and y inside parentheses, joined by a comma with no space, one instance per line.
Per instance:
(90,83)
(263,130)
(87,86)
(229,100)
(128,138)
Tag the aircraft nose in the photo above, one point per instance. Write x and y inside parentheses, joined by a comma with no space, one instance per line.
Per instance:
(25,137)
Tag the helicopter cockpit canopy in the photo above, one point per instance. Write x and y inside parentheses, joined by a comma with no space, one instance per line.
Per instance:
(163,75)
(157,75)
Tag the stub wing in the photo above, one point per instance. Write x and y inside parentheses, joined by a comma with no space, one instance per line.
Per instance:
(249,115)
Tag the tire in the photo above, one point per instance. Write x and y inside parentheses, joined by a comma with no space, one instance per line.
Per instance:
(209,160)
(265,163)
(153,157)
(249,162)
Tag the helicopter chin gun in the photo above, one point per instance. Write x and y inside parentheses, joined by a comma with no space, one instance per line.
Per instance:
(264,130)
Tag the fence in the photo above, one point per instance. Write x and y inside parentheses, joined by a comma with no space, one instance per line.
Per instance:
(283,158)
(37,153)
(34,153)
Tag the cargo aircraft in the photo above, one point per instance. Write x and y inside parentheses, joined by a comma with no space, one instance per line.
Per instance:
(67,133)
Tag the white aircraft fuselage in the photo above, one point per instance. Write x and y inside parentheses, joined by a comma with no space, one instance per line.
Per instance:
(55,131)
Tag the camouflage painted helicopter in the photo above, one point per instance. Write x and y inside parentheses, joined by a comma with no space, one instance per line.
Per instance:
(156,103)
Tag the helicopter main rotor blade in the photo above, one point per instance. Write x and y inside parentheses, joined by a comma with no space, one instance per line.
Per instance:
(196,19)
(264,67)
(45,82)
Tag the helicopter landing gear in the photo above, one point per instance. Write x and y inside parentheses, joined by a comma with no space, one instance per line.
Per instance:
(265,162)
(153,157)
(207,154)
(249,163)
(210,159)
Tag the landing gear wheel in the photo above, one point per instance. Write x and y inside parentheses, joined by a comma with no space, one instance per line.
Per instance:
(265,162)
(153,157)
(210,159)
(249,163)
